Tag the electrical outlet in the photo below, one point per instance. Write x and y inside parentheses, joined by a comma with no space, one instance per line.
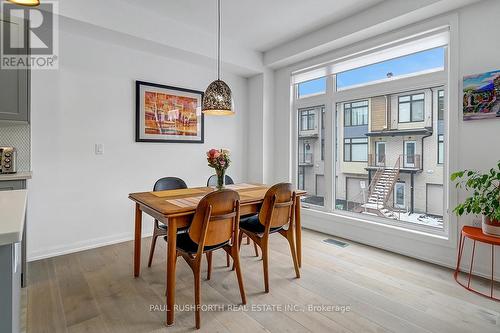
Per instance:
(99,149)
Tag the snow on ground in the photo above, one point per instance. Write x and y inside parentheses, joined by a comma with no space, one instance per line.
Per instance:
(431,221)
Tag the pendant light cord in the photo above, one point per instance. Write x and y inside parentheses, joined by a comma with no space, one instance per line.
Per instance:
(218,39)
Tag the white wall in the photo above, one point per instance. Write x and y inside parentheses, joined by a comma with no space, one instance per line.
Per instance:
(479,141)
(79,199)
(477,52)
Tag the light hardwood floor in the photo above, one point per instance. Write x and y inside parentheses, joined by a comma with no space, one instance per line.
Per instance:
(94,291)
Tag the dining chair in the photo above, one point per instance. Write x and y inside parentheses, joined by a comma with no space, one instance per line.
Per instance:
(215,226)
(275,214)
(212,181)
(160,229)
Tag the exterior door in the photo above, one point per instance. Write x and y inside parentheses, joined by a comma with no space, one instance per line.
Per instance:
(435,202)
(400,195)
(380,152)
(409,154)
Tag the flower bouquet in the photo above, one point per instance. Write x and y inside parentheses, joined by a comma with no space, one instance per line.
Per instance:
(219,160)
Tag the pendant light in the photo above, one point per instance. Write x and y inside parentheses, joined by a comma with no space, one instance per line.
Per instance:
(30,3)
(218,98)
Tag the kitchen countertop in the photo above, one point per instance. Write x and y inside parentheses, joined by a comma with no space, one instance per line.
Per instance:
(16,176)
(12,212)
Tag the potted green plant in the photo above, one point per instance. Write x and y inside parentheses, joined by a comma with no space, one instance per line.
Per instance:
(485,198)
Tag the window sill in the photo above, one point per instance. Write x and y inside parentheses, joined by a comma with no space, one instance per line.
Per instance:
(380,227)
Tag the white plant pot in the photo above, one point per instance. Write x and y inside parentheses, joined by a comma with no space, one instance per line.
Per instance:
(491,228)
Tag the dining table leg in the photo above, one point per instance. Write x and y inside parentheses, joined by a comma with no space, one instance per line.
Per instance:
(298,231)
(171,265)
(137,240)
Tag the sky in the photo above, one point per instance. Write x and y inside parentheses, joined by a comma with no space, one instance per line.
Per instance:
(412,63)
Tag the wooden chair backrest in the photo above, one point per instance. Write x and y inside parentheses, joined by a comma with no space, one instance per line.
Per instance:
(277,208)
(216,218)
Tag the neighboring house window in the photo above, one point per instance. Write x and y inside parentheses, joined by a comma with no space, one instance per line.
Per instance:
(323,134)
(411,108)
(312,87)
(307,118)
(441,105)
(440,149)
(356,113)
(356,150)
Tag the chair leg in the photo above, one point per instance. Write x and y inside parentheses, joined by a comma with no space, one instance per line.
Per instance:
(197,292)
(227,260)
(240,238)
(209,261)
(256,249)
(265,262)
(236,259)
(248,240)
(152,249)
(289,237)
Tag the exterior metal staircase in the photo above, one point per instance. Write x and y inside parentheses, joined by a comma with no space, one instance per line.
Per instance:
(380,190)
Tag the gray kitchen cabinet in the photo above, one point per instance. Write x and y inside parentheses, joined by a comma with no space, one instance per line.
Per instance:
(15,85)
(10,288)
(9,185)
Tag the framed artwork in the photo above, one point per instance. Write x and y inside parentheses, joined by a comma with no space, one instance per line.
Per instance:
(482,96)
(168,114)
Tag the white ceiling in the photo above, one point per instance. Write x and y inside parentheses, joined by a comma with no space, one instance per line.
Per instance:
(257,24)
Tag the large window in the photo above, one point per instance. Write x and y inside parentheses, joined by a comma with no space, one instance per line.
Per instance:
(356,150)
(411,108)
(382,134)
(307,120)
(356,113)
(312,87)
(310,148)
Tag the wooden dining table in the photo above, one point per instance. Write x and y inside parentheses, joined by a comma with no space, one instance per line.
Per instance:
(175,208)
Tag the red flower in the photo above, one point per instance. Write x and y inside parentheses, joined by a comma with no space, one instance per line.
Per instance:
(213,153)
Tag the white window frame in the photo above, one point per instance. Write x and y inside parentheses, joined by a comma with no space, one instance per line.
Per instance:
(309,102)
(390,87)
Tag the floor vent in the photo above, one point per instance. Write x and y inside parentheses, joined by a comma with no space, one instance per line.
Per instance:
(335,242)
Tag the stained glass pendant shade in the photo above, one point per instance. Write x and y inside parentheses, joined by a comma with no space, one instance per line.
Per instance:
(218,98)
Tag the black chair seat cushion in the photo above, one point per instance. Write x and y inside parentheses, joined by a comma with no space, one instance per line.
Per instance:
(179,230)
(252,224)
(185,244)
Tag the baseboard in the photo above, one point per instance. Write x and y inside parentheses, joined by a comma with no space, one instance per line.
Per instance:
(82,246)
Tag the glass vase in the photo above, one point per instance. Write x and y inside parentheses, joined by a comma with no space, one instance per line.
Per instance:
(221,178)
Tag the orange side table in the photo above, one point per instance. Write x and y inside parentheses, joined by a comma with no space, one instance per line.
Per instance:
(476,234)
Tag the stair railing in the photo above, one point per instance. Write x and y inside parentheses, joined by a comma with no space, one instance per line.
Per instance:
(376,177)
(394,179)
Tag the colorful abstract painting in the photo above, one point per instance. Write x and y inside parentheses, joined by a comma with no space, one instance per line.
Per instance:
(168,114)
(482,96)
